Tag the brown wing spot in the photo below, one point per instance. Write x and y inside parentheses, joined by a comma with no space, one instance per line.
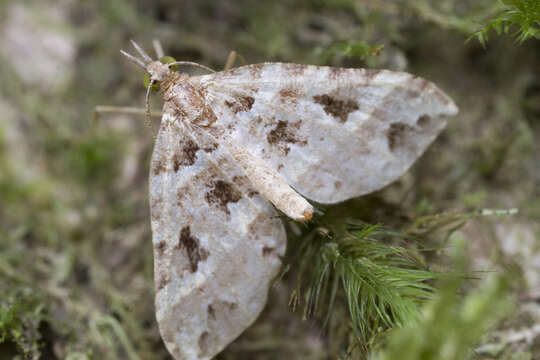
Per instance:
(163,280)
(206,118)
(242,182)
(423,120)
(155,207)
(262,226)
(221,308)
(267,250)
(204,343)
(295,69)
(230,305)
(177,161)
(255,70)
(218,312)
(240,179)
(211,312)
(181,195)
(188,155)
(194,251)
(240,103)
(211,147)
(158,165)
(337,184)
(289,95)
(339,109)
(397,135)
(221,194)
(284,134)
(179,111)
(160,247)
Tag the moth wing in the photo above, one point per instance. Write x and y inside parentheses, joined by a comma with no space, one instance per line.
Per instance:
(333,133)
(217,243)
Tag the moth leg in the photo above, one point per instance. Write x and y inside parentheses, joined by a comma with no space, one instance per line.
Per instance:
(158,48)
(271,184)
(231,59)
(122,110)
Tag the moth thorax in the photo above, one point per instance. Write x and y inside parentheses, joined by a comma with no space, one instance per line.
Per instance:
(173,78)
(158,71)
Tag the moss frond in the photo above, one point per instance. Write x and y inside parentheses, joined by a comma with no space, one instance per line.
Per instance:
(450,325)
(382,284)
(520,16)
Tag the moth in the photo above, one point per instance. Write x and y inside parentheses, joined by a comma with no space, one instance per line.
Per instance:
(236,145)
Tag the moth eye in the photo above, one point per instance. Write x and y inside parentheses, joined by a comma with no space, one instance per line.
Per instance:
(146,82)
(169,60)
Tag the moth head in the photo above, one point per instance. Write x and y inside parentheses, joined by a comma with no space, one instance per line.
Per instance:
(156,71)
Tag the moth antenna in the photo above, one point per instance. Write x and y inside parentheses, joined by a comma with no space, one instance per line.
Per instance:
(147,113)
(158,48)
(141,52)
(133,59)
(191,63)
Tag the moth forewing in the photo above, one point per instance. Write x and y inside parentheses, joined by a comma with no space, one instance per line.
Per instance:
(332,133)
(217,243)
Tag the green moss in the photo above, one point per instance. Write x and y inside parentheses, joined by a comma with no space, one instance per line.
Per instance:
(450,325)
(382,284)
(518,17)
(93,159)
(22,311)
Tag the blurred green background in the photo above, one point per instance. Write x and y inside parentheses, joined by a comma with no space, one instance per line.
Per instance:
(75,242)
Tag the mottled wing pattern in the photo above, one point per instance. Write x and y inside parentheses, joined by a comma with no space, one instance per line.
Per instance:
(332,133)
(217,243)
